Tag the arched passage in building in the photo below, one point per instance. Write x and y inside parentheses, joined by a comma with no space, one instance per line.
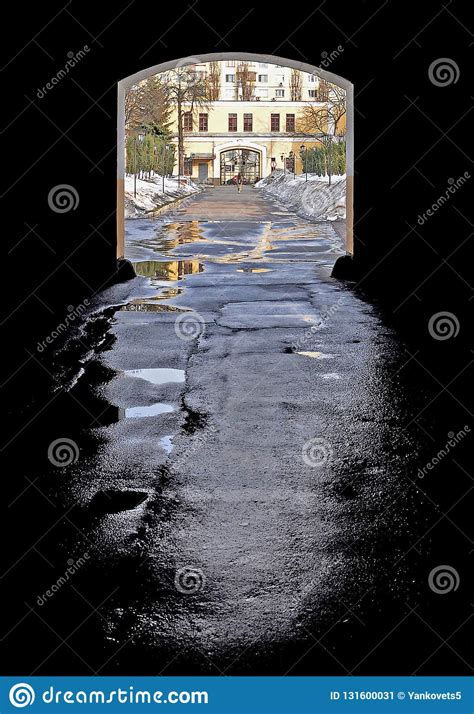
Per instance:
(257,155)
(239,156)
(240,161)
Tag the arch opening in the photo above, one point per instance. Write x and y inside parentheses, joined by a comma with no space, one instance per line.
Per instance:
(244,162)
(213,164)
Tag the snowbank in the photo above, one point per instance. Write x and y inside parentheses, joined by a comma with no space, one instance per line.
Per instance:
(313,199)
(150,194)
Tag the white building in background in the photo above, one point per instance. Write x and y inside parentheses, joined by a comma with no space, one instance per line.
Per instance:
(271,81)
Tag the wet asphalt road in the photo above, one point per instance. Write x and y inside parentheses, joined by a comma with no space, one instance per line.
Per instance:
(258,431)
(245,491)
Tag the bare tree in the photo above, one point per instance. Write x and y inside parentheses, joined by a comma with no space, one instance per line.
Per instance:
(324,89)
(132,106)
(245,81)
(147,106)
(186,90)
(296,85)
(326,121)
(213,81)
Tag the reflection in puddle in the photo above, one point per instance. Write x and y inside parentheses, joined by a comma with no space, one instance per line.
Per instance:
(147,305)
(157,376)
(315,355)
(167,270)
(254,270)
(151,303)
(152,410)
(165,443)
(179,233)
(167,236)
(167,294)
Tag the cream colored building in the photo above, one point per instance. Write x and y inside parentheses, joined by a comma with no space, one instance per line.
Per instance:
(230,136)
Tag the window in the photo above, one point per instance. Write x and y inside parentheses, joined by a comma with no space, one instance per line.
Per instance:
(261,92)
(230,93)
(248,122)
(230,63)
(313,93)
(188,121)
(263,77)
(313,78)
(203,122)
(263,65)
(232,122)
(279,92)
(290,122)
(279,78)
(230,78)
(275,122)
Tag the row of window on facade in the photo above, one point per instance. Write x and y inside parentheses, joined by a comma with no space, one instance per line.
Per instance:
(262,65)
(233,63)
(203,122)
(263,78)
(260,93)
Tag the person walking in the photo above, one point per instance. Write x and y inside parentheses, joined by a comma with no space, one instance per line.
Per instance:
(239,183)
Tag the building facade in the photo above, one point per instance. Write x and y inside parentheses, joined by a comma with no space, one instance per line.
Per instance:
(254,124)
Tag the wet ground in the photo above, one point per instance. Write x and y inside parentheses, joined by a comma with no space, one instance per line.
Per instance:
(244,489)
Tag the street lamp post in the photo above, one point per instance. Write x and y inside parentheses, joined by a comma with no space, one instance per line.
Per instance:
(163,155)
(303,148)
(134,166)
(140,138)
(166,149)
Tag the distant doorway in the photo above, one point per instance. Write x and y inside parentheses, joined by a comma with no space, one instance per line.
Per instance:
(245,162)
(203,173)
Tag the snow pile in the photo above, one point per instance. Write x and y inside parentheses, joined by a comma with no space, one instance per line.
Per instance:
(314,199)
(150,194)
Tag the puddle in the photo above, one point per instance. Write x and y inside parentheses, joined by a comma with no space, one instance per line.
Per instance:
(167,270)
(152,410)
(330,375)
(151,303)
(315,355)
(168,236)
(147,305)
(167,294)
(254,270)
(165,443)
(176,234)
(157,376)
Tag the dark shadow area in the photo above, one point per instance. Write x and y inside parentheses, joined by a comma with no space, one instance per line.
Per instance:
(410,142)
